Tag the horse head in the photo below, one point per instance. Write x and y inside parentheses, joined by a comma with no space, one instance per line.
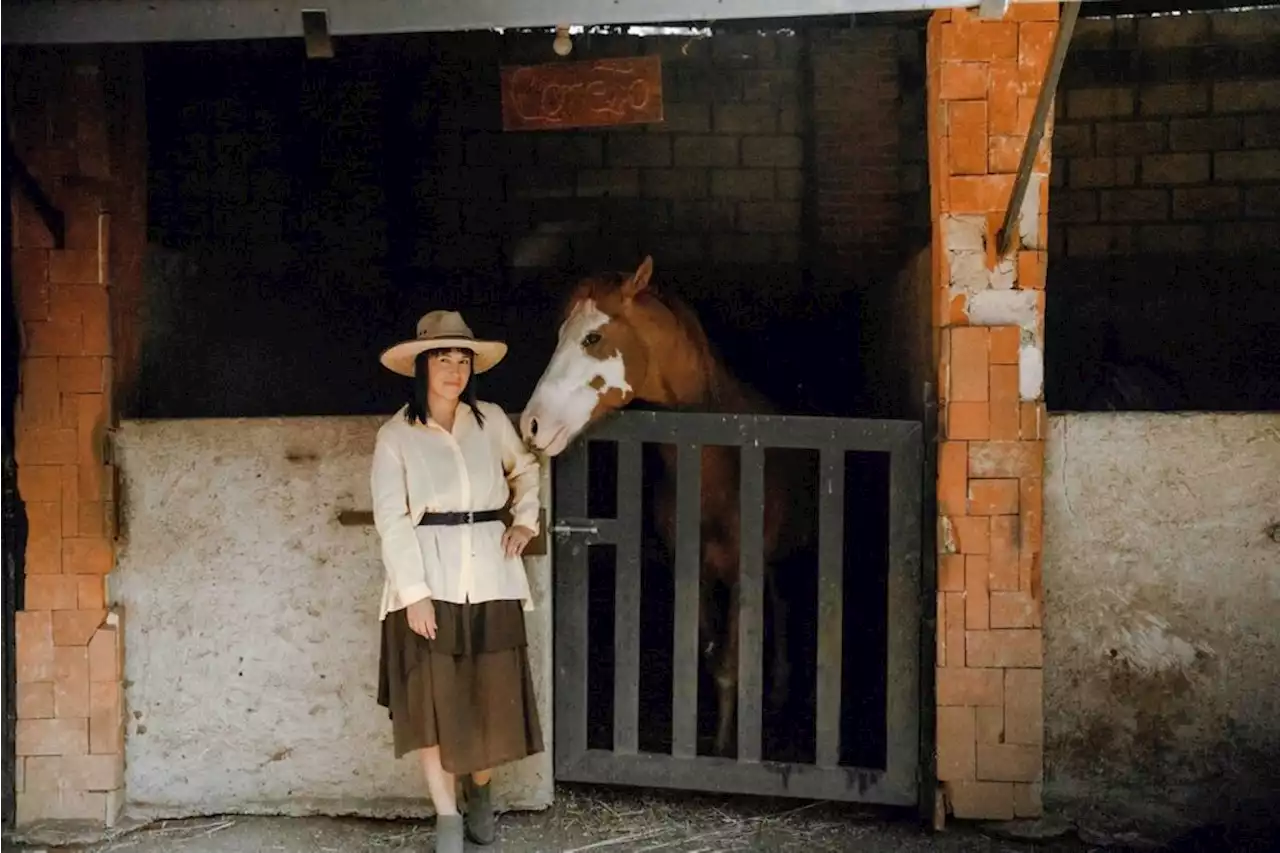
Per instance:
(600,361)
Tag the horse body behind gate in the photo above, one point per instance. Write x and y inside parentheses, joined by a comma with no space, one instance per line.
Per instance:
(621,341)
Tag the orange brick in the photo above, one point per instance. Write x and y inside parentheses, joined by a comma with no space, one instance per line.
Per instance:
(980,41)
(968,421)
(1029,576)
(91,520)
(91,420)
(65,804)
(91,592)
(31,274)
(1020,10)
(1031,416)
(1006,459)
(104,655)
(87,556)
(44,521)
(969,364)
(38,395)
(954,627)
(44,556)
(940,633)
(35,700)
(1007,762)
(38,483)
(951,572)
(1004,153)
(980,800)
(46,446)
(1031,522)
(1003,548)
(989,723)
(993,497)
(1004,648)
(984,194)
(106,718)
(1026,114)
(967,137)
(71,682)
(76,627)
(963,686)
(971,535)
(1002,98)
(89,307)
(51,592)
(1035,44)
(76,772)
(976,596)
(953,467)
(54,337)
(72,266)
(1024,706)
(1031,270)
(963,81)
(1027,800)
(33,636)
(80,375)
(1005,411)
(956,743)
(1014,610)
(53,737)
(70,499)
(96,482)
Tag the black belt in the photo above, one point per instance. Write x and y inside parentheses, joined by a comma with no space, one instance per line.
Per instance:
(452,518)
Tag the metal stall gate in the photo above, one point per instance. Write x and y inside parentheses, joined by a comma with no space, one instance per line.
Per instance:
(897,781)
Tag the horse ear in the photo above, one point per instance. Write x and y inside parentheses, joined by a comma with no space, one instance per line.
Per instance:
(640,279)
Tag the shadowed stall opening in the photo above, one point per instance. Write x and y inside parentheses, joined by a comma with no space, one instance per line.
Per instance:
(303,213)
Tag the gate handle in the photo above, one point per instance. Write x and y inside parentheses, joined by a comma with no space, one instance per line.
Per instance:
(574,527)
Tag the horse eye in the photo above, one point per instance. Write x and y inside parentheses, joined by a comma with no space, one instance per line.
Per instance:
(591,339)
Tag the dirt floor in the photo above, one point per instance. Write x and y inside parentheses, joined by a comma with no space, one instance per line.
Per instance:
(594,820)
(630,821)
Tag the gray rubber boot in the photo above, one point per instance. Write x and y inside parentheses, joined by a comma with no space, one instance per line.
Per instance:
(449,834)
(481,825)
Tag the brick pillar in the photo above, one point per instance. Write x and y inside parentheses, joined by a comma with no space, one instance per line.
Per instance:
(984,78)
(69,114)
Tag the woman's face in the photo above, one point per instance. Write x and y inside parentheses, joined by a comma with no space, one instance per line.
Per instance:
(448,372)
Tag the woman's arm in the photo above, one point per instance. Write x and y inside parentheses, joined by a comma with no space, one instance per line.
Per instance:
(401,554)
(523,474)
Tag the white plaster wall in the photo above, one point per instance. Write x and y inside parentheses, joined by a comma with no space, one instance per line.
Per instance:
(1162,613)
(251,629)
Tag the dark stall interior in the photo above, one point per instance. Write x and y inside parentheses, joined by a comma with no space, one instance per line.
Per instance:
(303,214)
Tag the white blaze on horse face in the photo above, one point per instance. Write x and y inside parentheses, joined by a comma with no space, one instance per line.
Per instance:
(572,384)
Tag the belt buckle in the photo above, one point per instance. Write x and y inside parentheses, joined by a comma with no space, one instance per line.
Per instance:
(470,516)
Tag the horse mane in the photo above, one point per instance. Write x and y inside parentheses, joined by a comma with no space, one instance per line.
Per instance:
(725,391)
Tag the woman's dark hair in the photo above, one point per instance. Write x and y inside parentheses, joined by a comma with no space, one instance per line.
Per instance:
(417,411)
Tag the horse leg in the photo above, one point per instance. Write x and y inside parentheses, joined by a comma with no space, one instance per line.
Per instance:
(726,674)
(779,685)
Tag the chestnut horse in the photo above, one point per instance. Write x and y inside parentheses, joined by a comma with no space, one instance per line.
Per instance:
(621,341)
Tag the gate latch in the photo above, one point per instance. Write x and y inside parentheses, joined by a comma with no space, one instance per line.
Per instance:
(566,527)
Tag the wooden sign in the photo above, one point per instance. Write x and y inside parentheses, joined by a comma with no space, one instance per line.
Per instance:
(592,93)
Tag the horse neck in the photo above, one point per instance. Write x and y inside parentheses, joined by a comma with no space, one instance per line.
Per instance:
(684,372)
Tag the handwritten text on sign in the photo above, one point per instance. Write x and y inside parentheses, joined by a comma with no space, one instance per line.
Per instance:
(592,93)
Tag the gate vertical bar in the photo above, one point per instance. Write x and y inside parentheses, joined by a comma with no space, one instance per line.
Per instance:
(830,604)
(626,616)
(571,604)
(902,698)
(750,601)
(684,687)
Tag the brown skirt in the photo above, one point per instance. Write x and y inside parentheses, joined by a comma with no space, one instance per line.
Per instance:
(468,691)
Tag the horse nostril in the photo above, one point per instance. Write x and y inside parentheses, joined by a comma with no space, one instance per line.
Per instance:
(533,426)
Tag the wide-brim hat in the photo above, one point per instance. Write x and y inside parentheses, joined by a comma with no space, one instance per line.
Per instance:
(442,330)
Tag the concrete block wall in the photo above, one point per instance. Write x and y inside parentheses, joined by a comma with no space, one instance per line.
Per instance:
(71,107)
(984,78)
(1168,136)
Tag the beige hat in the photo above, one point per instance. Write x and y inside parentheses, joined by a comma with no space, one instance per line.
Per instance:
(442,330)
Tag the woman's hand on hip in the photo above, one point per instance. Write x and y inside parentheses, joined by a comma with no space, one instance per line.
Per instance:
(515,539)
(422,618)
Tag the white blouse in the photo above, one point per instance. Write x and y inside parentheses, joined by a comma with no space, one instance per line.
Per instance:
(419,468)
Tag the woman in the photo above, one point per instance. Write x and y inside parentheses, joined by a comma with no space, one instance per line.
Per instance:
(455,667)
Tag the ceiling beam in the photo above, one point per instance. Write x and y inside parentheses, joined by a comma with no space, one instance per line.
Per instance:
(123,21)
